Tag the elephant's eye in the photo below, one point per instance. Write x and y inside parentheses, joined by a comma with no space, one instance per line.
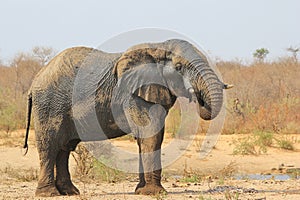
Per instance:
(178,66)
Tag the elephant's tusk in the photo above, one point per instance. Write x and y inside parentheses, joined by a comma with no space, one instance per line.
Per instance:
(192,96)
(191,90)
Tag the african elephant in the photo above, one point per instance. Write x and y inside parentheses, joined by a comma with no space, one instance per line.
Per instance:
(143,76)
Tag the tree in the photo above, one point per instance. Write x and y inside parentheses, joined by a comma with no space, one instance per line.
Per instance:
(43,54)
(294,51)
(25,67)
(261,54)
(8,112)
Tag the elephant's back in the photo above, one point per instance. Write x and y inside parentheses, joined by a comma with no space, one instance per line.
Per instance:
(62,66)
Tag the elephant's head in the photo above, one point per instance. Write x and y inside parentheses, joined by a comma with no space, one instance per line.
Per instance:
(160,72)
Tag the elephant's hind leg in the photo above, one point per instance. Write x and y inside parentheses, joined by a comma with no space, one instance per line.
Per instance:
(63,180)
(46,186)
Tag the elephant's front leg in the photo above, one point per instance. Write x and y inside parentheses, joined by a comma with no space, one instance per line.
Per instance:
(150,165)
(147,121)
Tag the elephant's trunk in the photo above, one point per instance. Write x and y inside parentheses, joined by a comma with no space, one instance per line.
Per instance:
(195,67)
(207,86)
(208,89)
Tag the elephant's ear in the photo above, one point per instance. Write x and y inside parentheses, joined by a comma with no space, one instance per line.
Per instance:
(145,81)
(138,55)
(140,74)
(156,94)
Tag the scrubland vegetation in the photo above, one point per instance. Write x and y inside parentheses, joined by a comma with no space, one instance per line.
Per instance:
(265,98)
(262,109)
(15,80)
(265,103)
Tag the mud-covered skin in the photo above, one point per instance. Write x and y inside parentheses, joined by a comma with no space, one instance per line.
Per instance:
(82,80)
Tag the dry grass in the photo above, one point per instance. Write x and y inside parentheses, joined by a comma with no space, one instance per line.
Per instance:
(15,138)
(259,143)
(266,97)
(196,176)
(24,175)
(90,169)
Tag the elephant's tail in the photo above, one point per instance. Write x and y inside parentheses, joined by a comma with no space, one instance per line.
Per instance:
(29,107)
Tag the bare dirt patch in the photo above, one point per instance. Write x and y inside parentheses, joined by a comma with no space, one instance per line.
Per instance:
(187,178)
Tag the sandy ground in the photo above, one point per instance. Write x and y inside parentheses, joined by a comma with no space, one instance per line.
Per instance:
(221,158)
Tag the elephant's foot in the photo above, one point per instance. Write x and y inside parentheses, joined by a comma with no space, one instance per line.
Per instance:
(150,189)
(67,188)
(47,191)
(140,185)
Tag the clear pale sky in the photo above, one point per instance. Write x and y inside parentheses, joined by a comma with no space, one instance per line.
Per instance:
(227,29)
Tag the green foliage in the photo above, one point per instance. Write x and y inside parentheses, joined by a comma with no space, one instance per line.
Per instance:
(255,144)
(191,178)
(294,51)
(260,54)
(103,173)
(8,109)
(259,142)
(244,146)
(89,168)
(15,80)
(173,121)
(264,139)
(293,173)
(7,118)
(285,144)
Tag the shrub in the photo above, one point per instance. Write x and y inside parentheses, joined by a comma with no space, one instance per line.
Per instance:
(173,121)
(89,168)
(266,96)
(285,144)
(259,142)
(8,112)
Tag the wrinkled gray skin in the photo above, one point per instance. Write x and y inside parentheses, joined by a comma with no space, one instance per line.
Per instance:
(51,95)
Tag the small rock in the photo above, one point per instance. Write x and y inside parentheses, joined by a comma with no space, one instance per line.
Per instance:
(174,185)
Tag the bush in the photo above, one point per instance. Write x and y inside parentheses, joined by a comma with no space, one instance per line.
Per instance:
(89,168)
(15,80)
(266,96)
(173,121)
(8,113)
(285,144)
(259,142)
